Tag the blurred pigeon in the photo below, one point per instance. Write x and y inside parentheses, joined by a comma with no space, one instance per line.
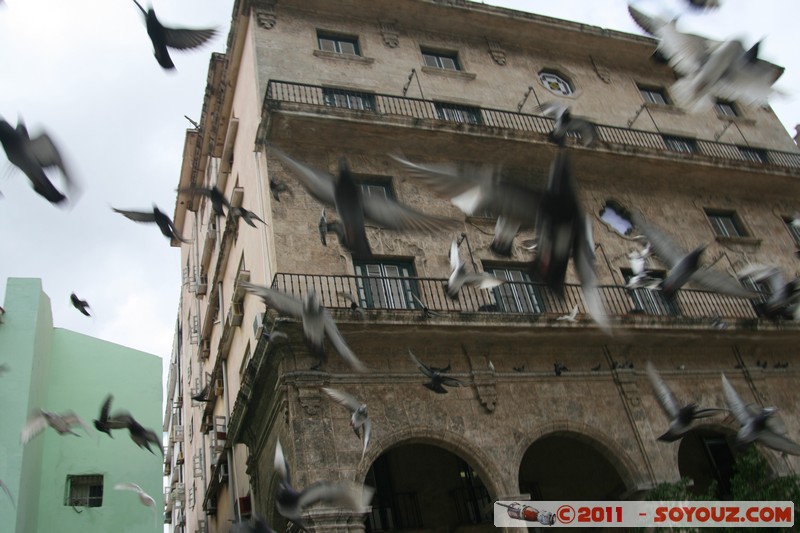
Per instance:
(519,368)
(567,123)
(259,525)
(246,215)
(80,305)
(32,156)
(161,219)
(354,209)
(355,309)
(3,369)
(426,312)
(640,277)
(559,368)
(8,493)
(62,423)
(685,267)
(437,379)
(359,417)
(291,503)
(459,277)
(144,498)
(142,436)
(326,227)
(703,4)
(101,424)
(317,321)
(204,394)
(709,69)
(277,188)
(218,200)
(757,424)
(163,37)
(680,418)
(571,316)
(783,300)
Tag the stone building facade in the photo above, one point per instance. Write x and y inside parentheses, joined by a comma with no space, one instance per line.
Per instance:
(455,81)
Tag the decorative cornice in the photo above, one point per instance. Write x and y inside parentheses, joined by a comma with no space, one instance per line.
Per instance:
(496,51)
(391,37)
(265,14)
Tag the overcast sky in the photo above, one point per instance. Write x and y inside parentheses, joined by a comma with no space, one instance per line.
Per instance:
(84,71)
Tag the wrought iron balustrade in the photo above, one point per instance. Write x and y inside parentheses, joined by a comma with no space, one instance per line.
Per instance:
(410,294)
(481,117)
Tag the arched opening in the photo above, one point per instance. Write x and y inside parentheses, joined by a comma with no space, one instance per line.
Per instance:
(422,486)
(705,456)
(565,466)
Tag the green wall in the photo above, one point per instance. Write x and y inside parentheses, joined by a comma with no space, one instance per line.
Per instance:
(60,370)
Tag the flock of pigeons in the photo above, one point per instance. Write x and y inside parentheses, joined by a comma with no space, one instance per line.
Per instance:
(708,69)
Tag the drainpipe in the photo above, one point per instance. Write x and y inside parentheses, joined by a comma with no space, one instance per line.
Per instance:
(231,464)
(261,203)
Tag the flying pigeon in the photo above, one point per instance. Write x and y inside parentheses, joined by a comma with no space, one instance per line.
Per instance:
(62,423)
(640,278)
(246,215)
(567,123)
(437,378)
(80,305)
(459,277)
(559,368)
(426,312)
(680,418)
(34,155)
(203,395)
(317,321)
(477,191)
(144,498)
(326,227)
(354,209)
(142,436)
(783,300)
(218,200)
(709,69)
(685,267)
(277,188)
(757,424)
(164,37)
(101,424)
(291,502)
(161,219)
(703,4)
(355,309)
(359,417)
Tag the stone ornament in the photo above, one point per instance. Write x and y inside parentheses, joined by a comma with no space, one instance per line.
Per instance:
(265,15)
(496,51)
(391,37)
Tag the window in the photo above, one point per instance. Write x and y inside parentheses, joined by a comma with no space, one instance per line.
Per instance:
(654,95)
(680,144)
(555,83)
(443,60)
(458,113)
(793,225)
(376,187)
(615,216)
(726,223)
(755,155)
(650,301)
(348,99)
(338,44)
(84,491)
(725,108)
(472,499)
(519,294)
(382,286)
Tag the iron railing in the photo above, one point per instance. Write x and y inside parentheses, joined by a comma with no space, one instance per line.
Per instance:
(376,104)
(413,295)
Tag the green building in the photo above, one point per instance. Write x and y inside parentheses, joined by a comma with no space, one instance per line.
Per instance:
(66,483)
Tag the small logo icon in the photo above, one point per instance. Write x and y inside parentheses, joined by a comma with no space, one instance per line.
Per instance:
(529,514)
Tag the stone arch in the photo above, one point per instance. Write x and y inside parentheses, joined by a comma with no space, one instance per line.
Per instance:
(592,437)
(446,439)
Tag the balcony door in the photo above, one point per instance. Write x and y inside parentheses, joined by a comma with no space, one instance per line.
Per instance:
(386,284)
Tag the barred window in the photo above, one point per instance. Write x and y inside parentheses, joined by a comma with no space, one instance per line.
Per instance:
(84,491)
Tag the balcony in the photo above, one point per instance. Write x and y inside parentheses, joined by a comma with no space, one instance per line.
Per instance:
(616,139)
(515,301)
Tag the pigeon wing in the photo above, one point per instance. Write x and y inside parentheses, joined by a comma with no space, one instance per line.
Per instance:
(663,246)
(482,280)
(8,493)
(450,382)
(283,303)
(33,426)
(281,464)
(128,486)
(71,419)
(323,491)
(342,398)
(583,255)
(183,39)
(339,343)
(393,215)
(721,282)
(136,216)
(318,184)
(779,442)
(44,150)
(367,431)
(664,395)
(735,403)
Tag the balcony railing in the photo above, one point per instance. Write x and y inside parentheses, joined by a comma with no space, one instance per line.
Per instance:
(512,298)
(623,139)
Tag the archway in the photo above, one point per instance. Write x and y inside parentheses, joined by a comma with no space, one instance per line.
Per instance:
(423,486)
(569,466)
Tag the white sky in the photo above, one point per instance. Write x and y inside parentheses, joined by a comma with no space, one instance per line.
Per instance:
(84,71)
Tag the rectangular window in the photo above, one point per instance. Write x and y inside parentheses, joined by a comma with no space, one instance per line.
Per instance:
(381,284)
(725,108)
(519,294)
(680,144)
(726,223)
(653,95)
(650,301)
(755,155)
(458,113)
(349,99)
(377,187)
(443,60)
(84,491)
(338,44)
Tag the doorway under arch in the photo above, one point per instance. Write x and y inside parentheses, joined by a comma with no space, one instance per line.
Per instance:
(423,486)
(706,455)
